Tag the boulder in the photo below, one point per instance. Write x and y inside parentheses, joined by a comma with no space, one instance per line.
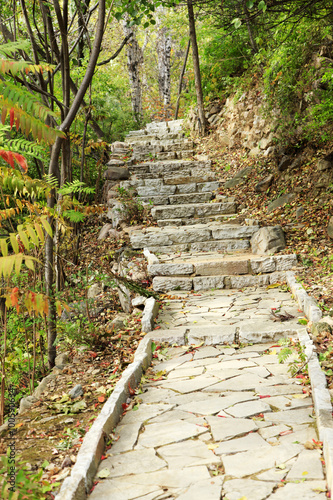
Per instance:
(76,392)
(139,301)
(330,228)
(281,201)
(285,163)
(117,214)
(324,165)
(263,185)
(268,240)
(299,212)
(104,232)
(26,403)
(95,290)
(239,178)
(118,322)
(116,173)
(61,360)
(124,298)
(320,327)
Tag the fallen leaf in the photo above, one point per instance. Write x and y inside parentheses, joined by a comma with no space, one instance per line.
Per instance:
(103,473)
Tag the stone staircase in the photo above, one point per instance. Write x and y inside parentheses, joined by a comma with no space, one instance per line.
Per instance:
(199,241)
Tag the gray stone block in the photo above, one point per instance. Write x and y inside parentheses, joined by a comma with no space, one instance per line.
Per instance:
(225,245)
(170,269)
(161,284)
(178,199)
(142,240)
(285,262)
(149,314)
(208,282)
(234,231)
(244,281)
(190,187)
(221,267)
(263,265)
(268,240)
(207,186)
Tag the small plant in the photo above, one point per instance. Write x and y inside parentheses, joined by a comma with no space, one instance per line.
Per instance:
(27,485)
(133,210)
(292,348)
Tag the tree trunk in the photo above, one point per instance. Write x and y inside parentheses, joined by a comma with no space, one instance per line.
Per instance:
(134,62)
(253,43)
(54,170)
(180,85)
(196,66)
(163,47)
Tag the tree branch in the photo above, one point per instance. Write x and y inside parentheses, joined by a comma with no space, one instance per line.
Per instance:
(117,51)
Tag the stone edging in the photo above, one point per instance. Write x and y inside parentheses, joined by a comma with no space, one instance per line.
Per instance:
(320,393)
(78,484)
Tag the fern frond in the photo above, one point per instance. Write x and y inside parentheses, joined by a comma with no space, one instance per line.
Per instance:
(284,354)
(12,47)
(75,187)
(51,181)
(74,216)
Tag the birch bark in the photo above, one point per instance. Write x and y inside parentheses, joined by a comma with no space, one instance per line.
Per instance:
(134,63)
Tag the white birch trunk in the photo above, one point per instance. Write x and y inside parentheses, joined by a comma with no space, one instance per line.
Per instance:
(134,63)
(163,47)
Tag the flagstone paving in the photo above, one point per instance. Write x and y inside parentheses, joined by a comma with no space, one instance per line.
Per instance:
(216,421)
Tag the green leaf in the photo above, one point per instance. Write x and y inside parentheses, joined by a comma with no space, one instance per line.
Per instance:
(4,246)
(237,22)
(262,6)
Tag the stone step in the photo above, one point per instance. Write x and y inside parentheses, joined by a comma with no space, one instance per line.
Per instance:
(224,219)
(217,265)
(204,272)
(176,198)
(172,155)
(193,210)
(203,237)
(173,283)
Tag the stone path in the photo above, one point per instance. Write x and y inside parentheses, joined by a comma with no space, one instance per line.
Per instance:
(219,416)
(217,421)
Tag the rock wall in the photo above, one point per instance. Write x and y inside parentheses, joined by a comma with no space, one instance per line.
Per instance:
(240,121)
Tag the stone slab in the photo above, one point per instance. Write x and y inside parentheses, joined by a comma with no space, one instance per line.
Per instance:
(229,428)
(187,454)
(307,466)
(250,442)
(142,461)
(254,461)
(160,434)
(235,489)
(248,409)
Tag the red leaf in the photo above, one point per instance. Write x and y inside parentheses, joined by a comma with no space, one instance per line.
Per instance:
(284,433)
(8,157)
(12,117)
(14,298)
(101,399)
(131,391)
(263,397)
(124,406)
(92,354)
